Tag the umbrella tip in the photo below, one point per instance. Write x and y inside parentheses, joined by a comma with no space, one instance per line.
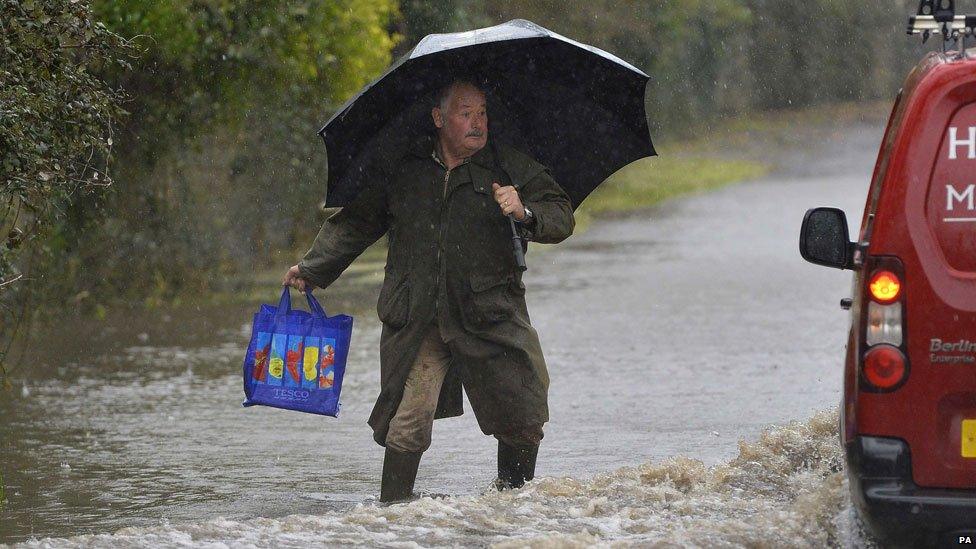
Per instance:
(526,24)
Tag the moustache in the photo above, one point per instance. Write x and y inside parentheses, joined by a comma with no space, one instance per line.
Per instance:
(475,134)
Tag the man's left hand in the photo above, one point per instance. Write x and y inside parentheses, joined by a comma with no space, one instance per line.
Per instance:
(509,201)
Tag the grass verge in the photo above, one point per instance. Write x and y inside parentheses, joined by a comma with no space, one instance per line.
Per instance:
(650,181)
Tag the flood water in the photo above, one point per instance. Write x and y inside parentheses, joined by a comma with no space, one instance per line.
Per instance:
(695,361)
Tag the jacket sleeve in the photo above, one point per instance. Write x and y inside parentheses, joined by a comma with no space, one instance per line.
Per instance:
(551,207)
(347,233)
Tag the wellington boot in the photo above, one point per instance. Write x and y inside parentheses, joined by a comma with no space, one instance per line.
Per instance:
(399,474)
(515,465)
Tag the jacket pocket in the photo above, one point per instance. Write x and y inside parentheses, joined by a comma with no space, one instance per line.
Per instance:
(393,305)
(491,297)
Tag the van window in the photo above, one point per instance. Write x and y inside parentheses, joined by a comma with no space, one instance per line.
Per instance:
(950,205)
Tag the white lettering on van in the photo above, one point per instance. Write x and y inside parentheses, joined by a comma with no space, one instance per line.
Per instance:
(960,346)
(966,195)
(938,351)
(955,142)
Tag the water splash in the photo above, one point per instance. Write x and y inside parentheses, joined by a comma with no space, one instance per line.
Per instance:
(786,489)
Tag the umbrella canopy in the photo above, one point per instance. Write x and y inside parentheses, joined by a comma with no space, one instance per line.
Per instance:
(573,107)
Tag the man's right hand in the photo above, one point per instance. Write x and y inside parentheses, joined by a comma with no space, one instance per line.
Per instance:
(293,279)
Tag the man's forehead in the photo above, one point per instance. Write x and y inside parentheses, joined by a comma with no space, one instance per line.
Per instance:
(472,102)
(466,95)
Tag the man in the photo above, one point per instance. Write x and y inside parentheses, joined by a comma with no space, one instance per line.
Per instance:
(452,302)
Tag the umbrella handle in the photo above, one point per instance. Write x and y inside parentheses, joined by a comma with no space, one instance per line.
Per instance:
(517,245)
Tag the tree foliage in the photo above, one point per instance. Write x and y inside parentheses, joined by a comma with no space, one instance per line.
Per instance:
(56,116)
(226,99)
(56,133)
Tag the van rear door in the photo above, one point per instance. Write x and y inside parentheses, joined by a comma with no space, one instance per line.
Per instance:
(927,218)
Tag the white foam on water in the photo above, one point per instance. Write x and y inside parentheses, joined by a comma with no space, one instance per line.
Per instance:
(786,489)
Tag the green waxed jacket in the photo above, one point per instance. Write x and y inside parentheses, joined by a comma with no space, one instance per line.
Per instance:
(450,259)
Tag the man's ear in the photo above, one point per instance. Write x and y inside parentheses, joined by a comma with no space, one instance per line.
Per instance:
(435,113)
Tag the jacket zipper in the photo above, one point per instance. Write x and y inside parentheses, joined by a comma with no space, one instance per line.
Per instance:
(440,239)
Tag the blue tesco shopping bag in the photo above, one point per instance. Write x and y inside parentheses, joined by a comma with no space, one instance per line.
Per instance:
(296,359)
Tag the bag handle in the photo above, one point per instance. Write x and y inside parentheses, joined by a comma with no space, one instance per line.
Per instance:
(284,304)
(313,304)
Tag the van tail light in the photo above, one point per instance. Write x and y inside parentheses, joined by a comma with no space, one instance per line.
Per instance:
(884,366)
(885,286)
(884,324)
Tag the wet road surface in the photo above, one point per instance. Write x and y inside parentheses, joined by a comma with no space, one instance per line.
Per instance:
(676,331)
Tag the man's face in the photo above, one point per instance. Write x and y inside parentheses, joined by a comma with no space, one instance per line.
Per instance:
(463,125)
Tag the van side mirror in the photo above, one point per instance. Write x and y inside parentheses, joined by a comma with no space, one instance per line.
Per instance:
(824,239)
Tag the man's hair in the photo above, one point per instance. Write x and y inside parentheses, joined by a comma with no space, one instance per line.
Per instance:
(444,94)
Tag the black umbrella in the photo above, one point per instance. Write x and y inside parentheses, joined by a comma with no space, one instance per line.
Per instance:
(575,108)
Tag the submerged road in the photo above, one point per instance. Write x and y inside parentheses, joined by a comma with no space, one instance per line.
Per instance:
(677,330)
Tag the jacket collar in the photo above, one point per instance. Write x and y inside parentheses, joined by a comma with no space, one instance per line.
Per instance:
(485,157)
(424,146)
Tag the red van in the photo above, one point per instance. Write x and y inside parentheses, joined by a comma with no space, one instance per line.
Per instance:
(908,416)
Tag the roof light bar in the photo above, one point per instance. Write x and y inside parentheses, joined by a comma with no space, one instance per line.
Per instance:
(919,24)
